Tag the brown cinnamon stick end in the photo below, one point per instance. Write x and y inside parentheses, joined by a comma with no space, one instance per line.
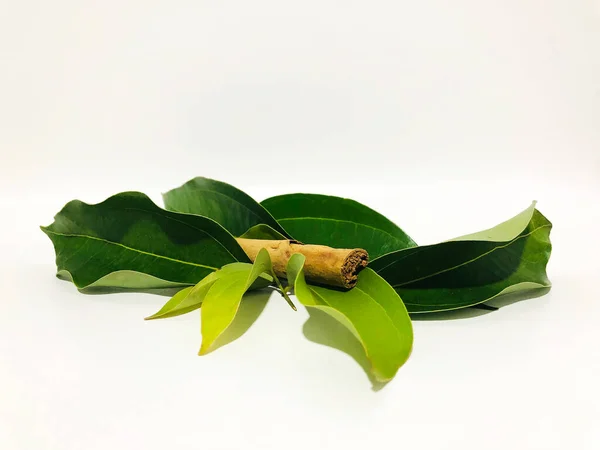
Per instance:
(356,260)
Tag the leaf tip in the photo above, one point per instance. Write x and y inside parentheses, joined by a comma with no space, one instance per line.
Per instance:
(382,378)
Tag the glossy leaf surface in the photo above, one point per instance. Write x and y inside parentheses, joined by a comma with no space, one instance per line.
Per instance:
(129,242)
(372,311)
(471,269)
(225,204)
(337,222)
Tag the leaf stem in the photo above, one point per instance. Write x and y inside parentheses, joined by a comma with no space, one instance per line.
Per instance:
(283,291)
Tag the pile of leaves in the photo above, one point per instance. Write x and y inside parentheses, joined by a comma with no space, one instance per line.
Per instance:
(128,242)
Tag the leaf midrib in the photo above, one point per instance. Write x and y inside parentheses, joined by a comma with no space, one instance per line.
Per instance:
(344,199)
(385,310)
(130,248)
(347,221)
(466,262)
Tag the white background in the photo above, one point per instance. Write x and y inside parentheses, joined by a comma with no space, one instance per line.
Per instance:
(448,117)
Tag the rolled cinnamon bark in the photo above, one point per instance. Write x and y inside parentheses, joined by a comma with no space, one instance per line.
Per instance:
(337,267)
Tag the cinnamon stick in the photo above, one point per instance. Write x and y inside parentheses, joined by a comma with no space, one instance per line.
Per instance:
(337,267)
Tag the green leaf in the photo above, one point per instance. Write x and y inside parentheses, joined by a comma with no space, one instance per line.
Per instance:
(222,301)
(125,279)
(227,205)
(372,311)
(337,222)
(262,232)
(191,298)
(183,302)
(472,269)
(129,242)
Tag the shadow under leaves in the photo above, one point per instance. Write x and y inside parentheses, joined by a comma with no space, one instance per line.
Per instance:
(321,328)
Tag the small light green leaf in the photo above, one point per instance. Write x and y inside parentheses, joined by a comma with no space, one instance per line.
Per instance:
(337,222)
(263,232)
(472,269)
(191,298)
(372,311)
(222,301)
(175,306)
(233,209)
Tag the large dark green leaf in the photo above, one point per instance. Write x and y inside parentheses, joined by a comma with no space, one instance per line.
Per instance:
(337,222)
(471,269)
(127,241)
(229,206)
(372,311)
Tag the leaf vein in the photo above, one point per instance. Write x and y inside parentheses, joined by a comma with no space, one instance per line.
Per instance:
(471,260)
(132,249)
(397,239)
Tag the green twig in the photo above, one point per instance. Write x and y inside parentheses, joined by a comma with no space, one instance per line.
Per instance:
(284,291)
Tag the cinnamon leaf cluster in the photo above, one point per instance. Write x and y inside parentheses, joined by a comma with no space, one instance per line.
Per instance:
(128,242)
